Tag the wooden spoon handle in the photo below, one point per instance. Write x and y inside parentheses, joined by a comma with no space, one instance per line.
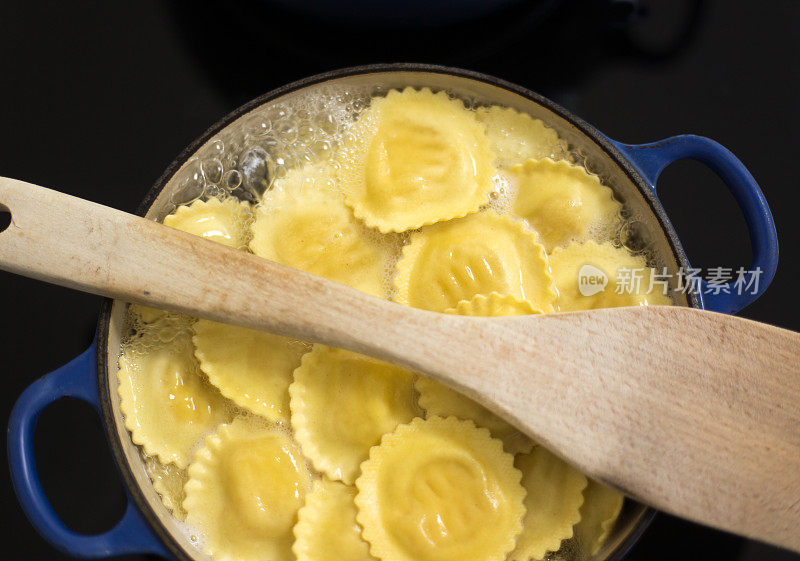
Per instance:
(75,243)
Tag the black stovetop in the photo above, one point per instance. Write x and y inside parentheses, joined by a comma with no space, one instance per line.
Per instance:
(96,98)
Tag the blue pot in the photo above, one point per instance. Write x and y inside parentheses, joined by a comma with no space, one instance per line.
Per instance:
(632,170)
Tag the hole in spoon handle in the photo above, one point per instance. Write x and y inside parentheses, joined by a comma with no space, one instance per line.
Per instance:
(5,217)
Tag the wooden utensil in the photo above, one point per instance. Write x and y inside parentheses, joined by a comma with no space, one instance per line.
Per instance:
(692,412)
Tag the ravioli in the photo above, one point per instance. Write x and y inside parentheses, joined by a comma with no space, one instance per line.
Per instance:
(564,203)
(326,528)
(252,368)
(438,399)
(225,222)
(301,182)
(318,234)
(552,503)
(600,510)
(143,315)
(486,252)
(621,270)
(516,137)
(493,305)
(440,489)
(245,487)
(416,158)
(168,481)
(167,404)
(342,403)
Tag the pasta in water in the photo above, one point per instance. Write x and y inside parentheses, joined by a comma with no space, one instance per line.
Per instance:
(372,397)
(326,528)
(252,368)
(482,253)
(493,305)
(270,449)
(517,137)
(166,403)
(245,487)
(613,262)
(225,222)
(417,158)
(438,399)
(433,487)
(168,481)
(563,202)
(319,234)
(600,510)
(554,495)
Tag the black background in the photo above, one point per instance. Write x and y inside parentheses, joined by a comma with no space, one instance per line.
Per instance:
(96,98)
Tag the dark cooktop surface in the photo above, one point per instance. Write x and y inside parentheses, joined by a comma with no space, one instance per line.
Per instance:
(96,98)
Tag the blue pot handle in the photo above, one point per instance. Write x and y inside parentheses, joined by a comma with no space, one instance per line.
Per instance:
(651,159)
(77,379)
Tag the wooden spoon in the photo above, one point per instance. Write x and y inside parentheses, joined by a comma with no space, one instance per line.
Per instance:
(692,412)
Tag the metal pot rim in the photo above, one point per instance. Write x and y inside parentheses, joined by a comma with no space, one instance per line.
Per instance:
(103,324)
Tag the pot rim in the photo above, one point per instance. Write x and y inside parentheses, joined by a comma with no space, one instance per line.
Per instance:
(103,324)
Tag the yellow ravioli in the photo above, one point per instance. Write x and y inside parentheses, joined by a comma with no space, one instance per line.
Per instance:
(244,490)
(564,203)
(326,528)
(319,234)
(416,158)
(446,263)
(168,481)
(440,490)
(158,325)
(342,403)
(252,368)
(600,510)
(143,315)
(166,403)
(626,273)
(552,503)
(225,222)
(516,137)
(493,305)
(301,182)
(438,399)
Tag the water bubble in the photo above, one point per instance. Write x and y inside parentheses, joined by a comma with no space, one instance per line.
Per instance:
(277,113)
(216,148)
(327,123)
(258,127)
(280,169)
(344,97)
(306,133)
(286,131)
(321,150)
(231,180)
(215,191)
(191,183)
(257,169)
(212,170)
